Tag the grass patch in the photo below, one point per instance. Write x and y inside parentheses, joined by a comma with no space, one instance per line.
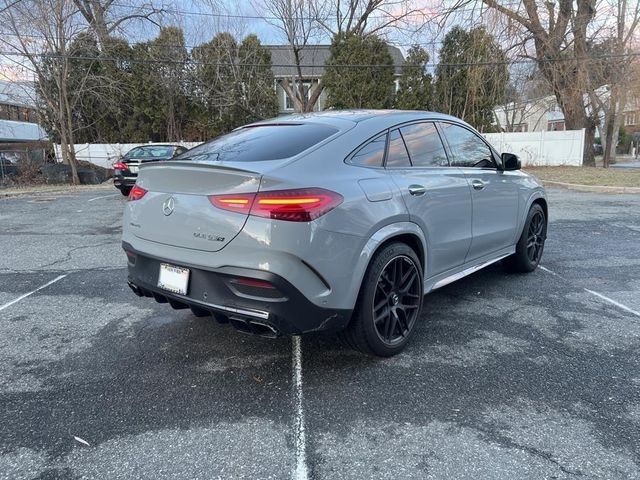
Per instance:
(610,177)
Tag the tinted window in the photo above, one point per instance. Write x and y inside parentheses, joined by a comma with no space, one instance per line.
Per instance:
(424,145)
(467,148)
(397,155)
(261,143)
(372,154)
(150,152)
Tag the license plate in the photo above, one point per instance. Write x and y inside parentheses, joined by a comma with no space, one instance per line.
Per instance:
(133,169)
(174,279)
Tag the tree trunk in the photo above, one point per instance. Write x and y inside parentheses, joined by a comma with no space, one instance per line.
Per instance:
(66,123)
(571,101)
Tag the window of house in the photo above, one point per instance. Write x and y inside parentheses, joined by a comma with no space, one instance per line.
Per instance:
(424,145)
(371,154)
(467,148)
(631,118)
(555,126)
(397,156)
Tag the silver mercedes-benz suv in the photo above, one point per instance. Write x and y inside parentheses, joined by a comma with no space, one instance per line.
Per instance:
(340,221)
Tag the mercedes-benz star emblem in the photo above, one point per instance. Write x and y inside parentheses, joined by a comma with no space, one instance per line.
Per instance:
(168,205)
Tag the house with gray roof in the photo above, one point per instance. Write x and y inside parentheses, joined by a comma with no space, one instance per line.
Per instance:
(313,59)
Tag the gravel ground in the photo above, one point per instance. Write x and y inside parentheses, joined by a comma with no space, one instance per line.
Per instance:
(508,376)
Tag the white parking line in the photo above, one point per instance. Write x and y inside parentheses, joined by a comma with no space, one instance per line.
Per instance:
(613,302)
(599,295)
(104,196)
(22,297)
(300,471)
(547,270)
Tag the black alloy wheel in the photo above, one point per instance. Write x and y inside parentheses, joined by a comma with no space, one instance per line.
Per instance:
(531,243)
(535,237)
(389,303)
(397,300)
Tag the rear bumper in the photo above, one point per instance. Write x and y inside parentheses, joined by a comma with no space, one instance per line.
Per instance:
(124,181)
(287,313)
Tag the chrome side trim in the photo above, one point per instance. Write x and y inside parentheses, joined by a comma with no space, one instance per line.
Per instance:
(242,311)
(466,271)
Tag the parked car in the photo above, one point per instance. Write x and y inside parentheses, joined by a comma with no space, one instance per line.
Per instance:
(8,164)
(126,169)
(332,221)
(597,149)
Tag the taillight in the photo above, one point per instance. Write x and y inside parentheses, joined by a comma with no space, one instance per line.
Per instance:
(235,203)
(299,205)
(136,193)
(120,166)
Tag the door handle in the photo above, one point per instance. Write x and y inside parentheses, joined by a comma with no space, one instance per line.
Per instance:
(417,190)
(477,184)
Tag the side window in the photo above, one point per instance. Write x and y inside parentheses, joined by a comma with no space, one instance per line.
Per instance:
(467,148)
(424,145)
(397,155)
(372,154)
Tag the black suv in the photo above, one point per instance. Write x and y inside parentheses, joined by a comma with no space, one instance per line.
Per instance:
(126,169)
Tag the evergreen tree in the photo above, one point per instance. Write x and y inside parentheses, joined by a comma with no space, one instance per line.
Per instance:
(416,89)
(258,98)
(233,83)
(350,86)
(471,76)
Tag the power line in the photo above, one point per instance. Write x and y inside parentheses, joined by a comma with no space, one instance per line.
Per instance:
(190,47)
(292,65)
(151,9)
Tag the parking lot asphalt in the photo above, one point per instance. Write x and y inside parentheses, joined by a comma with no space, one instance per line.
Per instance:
(508,376)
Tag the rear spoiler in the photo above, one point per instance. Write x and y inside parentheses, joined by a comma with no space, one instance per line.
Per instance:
(187,163)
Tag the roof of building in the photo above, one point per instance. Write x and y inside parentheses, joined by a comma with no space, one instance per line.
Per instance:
(313,58)
(11,131)
(21,94)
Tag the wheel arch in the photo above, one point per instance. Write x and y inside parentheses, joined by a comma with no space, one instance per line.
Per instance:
(406,232)
(543,203)
(409,239)
(537,197)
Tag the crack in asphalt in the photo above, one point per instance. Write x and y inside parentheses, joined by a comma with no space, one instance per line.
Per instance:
(69,253)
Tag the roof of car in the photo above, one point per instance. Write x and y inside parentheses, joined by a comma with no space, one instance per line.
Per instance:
(151,145)
(356,116)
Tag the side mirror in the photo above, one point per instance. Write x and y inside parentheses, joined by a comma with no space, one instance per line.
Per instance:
(510,162)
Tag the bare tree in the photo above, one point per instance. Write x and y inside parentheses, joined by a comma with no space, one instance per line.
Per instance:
(562,34)
(104,20)
(618,74)
(305,21)
(371,17)
(299,21)
(37,34)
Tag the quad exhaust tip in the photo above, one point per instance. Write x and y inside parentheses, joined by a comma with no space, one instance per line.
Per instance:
(240,322)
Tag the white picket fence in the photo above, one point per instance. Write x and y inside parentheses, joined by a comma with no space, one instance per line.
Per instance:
(105,154)
(541,148)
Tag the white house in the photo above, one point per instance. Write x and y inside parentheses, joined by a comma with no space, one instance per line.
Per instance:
(543,114)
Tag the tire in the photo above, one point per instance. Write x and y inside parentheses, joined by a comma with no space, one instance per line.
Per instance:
(391,291)
(531,243)
(125,191)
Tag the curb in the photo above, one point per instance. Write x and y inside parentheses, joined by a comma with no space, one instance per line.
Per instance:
(593,188)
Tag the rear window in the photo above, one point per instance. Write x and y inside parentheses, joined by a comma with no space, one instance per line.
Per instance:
(261,143)
(150,152)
